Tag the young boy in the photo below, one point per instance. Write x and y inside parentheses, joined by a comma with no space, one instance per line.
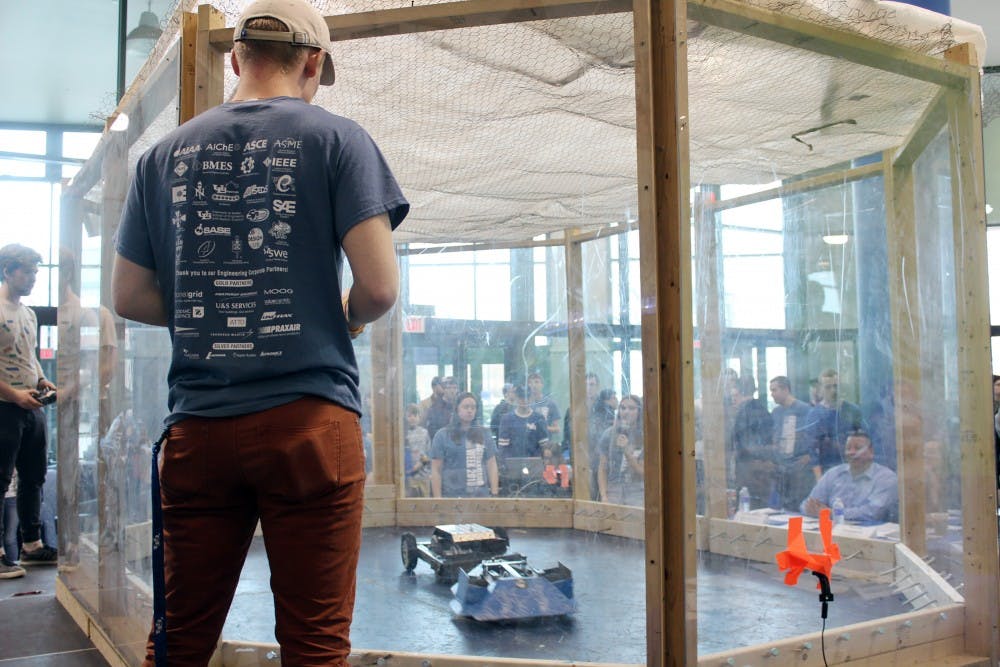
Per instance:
(417,455)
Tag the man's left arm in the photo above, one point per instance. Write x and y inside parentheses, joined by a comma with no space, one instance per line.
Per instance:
(553,419)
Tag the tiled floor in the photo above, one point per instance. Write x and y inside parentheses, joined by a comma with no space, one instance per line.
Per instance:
(35,631)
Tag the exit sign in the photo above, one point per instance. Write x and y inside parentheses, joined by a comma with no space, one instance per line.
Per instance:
(413,324)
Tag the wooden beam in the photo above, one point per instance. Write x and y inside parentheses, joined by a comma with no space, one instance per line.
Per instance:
(577,353)
(574,235)
(928,126)
(256,654)
(449,16)
(904,290)
(507,512)
(825,40)
(209,60)
(713,414)
(914,570)
(386,393)
(112,594)
(975,404)
(839,177)
(662,136)
(189,53)
(916,638)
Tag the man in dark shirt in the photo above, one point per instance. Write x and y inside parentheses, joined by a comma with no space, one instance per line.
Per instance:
(829,423)
(546,407)
(505,405)
(793,452)
(233,236)
(442,408)
(523,431)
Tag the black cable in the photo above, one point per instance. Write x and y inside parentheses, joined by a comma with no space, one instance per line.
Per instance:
(825,597)
(822,642)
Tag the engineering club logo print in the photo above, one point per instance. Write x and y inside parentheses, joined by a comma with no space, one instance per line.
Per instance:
(258,214)
(247,165)
(227,193)
(179,219)
(254,191)
(255,238)
(284,184)
(178,194)
(205,249)
(280,230)
(180,168)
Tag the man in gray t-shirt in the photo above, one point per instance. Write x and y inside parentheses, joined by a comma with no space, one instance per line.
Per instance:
(232,236)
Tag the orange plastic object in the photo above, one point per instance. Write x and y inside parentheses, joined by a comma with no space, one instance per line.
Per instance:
(560,474)
(797,557)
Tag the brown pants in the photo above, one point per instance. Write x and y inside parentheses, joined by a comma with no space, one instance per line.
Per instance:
(300,469)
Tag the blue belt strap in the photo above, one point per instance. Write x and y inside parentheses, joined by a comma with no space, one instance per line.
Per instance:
(159,592)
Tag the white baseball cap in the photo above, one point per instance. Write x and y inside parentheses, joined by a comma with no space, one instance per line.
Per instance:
(306,27)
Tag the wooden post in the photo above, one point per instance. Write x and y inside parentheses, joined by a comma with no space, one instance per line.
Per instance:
(979,481)
(901,254)
(665,268)
(577,353)
(68,405)
(209,75)
(189,65)
(110,493)
(386,389)
(713,416)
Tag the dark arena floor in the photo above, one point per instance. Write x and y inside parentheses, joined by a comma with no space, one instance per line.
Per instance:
(740,602)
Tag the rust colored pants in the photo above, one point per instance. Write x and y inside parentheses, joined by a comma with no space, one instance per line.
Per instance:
(300,469)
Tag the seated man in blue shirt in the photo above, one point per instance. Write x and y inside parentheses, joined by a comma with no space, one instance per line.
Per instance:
(868,490)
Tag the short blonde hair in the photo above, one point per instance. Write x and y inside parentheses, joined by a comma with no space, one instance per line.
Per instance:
(284,55)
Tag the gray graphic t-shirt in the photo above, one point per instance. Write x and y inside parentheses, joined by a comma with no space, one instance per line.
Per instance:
(241,212)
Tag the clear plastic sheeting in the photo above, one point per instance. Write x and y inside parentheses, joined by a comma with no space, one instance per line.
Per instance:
(991,97)
(833,221)
(113,393)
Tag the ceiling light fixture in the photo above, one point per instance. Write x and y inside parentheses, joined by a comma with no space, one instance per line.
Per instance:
(836,239)
(142,38)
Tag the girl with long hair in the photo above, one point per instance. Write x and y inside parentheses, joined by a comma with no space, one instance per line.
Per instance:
(620,472)
(463,456)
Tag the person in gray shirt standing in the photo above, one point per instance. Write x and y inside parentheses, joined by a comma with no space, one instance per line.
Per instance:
(792,446)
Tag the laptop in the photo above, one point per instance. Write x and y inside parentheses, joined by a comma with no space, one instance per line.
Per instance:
(522,467)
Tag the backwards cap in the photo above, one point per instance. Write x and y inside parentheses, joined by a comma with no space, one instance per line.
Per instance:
(306,27)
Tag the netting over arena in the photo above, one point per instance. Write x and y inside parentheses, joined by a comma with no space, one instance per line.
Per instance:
(509,132)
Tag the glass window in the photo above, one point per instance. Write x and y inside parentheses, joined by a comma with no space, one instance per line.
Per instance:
(30,142)
(23,141)
(80,145)
(993,253)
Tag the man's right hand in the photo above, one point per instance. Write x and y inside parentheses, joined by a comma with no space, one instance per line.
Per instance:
(813,507)
(25,399)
